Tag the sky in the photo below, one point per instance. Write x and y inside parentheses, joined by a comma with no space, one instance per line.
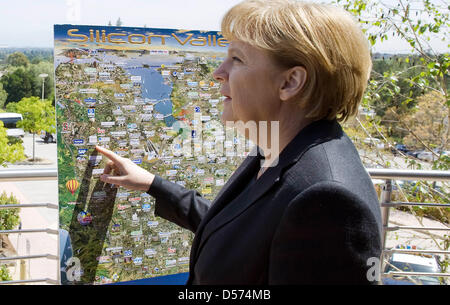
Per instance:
(29,23)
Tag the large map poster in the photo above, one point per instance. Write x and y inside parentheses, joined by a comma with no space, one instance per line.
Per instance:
(148,95)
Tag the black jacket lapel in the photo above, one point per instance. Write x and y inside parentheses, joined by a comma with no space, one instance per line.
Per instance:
(240,204)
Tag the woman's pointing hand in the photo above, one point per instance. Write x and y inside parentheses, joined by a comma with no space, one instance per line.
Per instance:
(123,172)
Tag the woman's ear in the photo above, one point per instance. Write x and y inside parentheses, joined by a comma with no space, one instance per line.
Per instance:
(293,81)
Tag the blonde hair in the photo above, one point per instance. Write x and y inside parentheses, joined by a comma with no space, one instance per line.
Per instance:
(322,38)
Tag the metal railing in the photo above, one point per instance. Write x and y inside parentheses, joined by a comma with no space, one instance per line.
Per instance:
(386,174)
(29,175)
(385,201)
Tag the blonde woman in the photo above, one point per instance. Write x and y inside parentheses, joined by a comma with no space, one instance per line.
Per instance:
(308,212)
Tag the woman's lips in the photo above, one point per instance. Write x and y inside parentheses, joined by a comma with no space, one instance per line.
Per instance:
(226,99)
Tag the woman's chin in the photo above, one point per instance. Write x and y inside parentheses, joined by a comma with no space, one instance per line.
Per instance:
(226,117)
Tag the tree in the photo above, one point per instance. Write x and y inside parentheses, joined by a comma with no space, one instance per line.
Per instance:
(36,60)
(394,92)
(9,152)
(9,218)
(25,82)
(3,96)
(428,122)
(37,115)
(17,59)
(49,83)
(18,84)
(417,23)
(119,22)
(109,23)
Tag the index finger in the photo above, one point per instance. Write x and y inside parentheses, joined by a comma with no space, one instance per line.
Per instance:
(109,154)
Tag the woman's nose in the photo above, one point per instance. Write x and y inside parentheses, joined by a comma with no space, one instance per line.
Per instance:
(219,74)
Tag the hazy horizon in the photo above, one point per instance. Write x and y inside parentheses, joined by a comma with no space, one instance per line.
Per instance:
(32,27)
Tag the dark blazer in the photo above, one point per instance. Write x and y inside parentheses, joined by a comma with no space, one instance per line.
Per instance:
(312,219)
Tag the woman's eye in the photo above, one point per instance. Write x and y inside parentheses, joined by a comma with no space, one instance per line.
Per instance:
(236,59)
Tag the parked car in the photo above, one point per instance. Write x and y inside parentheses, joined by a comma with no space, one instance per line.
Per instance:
(48,137)
(413,153)
(399,147)
(402,262)
(429,156)
(425,156)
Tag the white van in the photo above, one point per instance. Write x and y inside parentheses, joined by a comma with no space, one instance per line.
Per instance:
(10,120)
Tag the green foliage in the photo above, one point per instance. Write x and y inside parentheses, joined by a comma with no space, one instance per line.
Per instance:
(37,114)
(18,84)
(390,83)
(9,218)
(23,67)
(3,96)
(34,55)
(49,83)
(17,59)
(4,274)
(427,122)
(9,152)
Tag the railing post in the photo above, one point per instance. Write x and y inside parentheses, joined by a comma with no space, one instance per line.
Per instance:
(386,198)
(23,269)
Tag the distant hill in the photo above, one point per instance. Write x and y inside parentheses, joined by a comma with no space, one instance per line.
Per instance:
(31,53)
